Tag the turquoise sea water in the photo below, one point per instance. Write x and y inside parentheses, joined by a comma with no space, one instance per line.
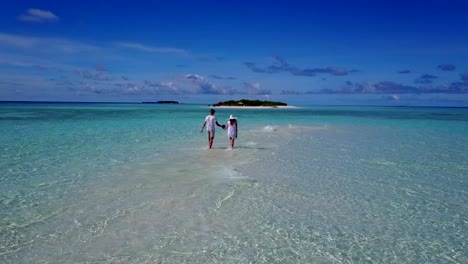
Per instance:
(132,183)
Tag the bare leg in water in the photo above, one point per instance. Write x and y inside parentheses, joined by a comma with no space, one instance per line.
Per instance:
(210,139)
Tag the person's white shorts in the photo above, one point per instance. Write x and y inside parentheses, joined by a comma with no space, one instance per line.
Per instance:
(211,133)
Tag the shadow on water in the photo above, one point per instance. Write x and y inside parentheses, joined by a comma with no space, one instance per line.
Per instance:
(246,147)
(240,147)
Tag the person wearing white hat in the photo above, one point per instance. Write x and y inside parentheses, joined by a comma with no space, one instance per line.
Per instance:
(232,130)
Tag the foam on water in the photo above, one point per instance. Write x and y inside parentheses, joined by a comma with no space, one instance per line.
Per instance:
(136,184)
(269,128)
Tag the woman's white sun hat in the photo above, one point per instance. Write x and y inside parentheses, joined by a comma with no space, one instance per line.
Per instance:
(232,117)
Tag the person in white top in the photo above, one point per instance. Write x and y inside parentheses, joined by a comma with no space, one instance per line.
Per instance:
(232,130)
(210,122)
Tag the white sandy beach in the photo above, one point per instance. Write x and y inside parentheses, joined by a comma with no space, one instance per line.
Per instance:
(257,107)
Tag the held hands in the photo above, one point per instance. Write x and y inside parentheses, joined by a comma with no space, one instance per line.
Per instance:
(223,126)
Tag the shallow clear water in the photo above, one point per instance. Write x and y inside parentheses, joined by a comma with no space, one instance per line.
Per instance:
(130,183)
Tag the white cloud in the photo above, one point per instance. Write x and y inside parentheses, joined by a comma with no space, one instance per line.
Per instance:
(38,15)
(44,44)
(133,89)
(394,97)
(162,87)
(195,77)
(152,49)
(203,86)
(34,62)
(17,41)
(97,76)
(254,88)
(28,83)
(254,85)
(167,85)
(17,63)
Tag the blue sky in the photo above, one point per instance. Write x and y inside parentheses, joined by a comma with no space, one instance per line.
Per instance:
(315,52)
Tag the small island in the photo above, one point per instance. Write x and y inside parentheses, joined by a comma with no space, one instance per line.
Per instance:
(161,102)
(249,103)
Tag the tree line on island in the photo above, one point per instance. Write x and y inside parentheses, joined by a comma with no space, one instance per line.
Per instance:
(161,102)
(245,102)
(242,102)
